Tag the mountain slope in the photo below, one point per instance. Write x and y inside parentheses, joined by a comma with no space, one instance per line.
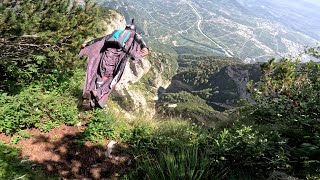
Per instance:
(220,81)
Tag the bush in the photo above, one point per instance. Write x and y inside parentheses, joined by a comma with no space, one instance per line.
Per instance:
(141,136)
(242,151)
(235,153)
(35,108)
(167,133)
(288,103)
(104,125)
(34,47)
(174,163)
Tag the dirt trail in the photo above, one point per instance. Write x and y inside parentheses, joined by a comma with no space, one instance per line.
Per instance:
(59,153)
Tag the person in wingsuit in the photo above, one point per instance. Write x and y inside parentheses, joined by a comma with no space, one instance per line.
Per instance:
(107,58)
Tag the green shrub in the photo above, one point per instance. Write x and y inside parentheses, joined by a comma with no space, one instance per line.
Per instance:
(174,163)
(237,153)
(177,133)
(141,136)
(189,106)
(35,108)
(242,151)
(288,103)
(104,125)
(147,136)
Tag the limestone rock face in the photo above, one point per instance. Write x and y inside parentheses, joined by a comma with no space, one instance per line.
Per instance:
(226,87)
(142,99)
(133,72)
(238,76)
(134,99)
(118,22)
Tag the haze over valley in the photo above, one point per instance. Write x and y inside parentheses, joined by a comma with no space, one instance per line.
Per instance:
(247,29)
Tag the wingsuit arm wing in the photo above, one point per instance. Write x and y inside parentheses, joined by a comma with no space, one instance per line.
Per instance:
(96,40)
(140,40)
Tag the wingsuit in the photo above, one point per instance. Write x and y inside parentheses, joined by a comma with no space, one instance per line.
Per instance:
(106,65)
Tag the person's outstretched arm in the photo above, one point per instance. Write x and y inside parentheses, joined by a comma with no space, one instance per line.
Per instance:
(144,47)
(92,41)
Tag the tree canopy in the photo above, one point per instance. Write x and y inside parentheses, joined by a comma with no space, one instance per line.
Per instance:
(43,37)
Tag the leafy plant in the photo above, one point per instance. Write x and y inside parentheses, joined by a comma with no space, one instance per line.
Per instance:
(24,134)
(174,163)
(104,125)
(15,139)
(288,103)
(35,108)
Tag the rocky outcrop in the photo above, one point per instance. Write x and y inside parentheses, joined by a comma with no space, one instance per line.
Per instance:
(222,89)
(230,84)
(240,76)
(142,82)
(117,22)
(133,72)
(133,99)
(177,86)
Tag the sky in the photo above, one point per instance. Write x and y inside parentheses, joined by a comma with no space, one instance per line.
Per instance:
(303,15)
(315,2)
(300,4)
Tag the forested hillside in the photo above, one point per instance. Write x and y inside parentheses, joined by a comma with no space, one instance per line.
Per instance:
(220,81)
(275,134)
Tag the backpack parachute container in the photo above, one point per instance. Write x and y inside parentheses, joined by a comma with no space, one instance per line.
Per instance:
(118,39)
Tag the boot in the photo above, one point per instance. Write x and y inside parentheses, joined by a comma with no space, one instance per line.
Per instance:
(87,101)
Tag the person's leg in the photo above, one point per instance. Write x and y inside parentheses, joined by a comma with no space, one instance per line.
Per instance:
(106,89)
(103,88)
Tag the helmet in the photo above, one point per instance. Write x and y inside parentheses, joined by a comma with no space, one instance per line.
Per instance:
(131,26)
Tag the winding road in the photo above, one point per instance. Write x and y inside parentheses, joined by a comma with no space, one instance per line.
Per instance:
(226,51)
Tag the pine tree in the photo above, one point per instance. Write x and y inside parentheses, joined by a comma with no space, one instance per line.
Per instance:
(39,36)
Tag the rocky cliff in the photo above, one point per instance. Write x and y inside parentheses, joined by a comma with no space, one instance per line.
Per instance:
(117,21)
(133,72)
(221,82)
(138,87)
(143,81)
(230,83)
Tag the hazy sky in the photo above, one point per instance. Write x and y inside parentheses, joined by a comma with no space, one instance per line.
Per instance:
(302,6)
(314,4)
